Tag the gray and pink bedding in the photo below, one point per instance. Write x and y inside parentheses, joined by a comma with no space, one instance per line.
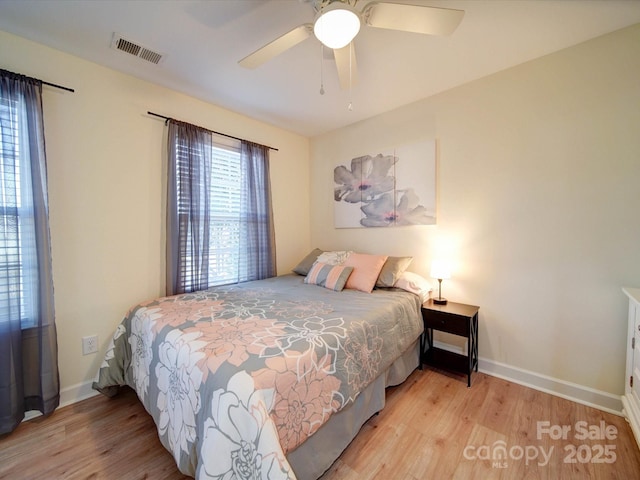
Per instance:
(238,377)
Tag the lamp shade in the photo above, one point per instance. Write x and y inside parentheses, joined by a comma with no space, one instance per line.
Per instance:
(440,269)
(336,25)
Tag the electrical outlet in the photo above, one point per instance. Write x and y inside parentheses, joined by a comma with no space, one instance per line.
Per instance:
(89,344)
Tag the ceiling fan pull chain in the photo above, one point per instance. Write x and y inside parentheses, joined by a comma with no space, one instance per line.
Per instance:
(321,69)
(350,107)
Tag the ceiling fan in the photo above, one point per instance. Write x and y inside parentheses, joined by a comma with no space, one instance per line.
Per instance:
(337,22)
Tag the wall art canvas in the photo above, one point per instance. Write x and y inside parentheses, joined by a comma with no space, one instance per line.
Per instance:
(387,189)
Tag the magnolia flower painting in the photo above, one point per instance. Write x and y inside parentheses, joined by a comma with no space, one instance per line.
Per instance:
(387,189)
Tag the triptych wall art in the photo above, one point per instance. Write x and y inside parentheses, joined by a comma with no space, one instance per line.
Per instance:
(387,189)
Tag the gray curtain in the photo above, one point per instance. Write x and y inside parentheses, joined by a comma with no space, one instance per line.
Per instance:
(190,221)
(29,377)
(188,207)
(259,242)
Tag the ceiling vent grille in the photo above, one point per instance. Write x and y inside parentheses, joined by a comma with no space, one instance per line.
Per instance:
(132,48)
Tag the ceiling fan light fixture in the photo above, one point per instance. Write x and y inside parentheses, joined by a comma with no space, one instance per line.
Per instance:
(336,25)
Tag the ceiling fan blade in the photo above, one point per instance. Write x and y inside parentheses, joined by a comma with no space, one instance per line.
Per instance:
(347,66)
(276,47)
(412,18)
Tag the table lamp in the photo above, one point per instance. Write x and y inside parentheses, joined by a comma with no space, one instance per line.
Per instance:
(440,269)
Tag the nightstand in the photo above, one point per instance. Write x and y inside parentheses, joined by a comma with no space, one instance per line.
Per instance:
(455,318)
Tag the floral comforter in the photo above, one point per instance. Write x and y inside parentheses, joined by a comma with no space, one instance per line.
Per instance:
(237,376)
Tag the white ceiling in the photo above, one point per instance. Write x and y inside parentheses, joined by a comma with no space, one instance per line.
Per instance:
(203,41)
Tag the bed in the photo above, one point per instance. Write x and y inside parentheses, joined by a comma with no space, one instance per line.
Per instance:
(271,378)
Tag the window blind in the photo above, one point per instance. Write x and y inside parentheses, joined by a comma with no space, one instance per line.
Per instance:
(225,263)
(16,267)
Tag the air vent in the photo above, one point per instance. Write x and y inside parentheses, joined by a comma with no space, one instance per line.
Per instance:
(133,48)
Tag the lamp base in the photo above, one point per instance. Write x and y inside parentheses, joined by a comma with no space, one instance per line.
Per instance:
(440,301)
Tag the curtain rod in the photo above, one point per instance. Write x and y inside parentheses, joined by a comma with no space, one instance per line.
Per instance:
(166,119)
(41,81)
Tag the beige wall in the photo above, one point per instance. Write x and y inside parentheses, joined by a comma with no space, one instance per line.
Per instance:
(538,204)
(106,191)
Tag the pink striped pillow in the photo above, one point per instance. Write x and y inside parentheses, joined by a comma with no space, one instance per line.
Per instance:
(332,277)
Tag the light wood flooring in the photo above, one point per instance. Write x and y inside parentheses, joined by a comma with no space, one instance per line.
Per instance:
(432,427)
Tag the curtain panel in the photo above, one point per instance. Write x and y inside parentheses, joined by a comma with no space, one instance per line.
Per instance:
(219,214)
(259,242)
(188,207)
(29,378)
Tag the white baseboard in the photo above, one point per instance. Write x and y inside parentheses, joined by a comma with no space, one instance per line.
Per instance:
(68,396)
(451,348)
(76,393)
(607,402)
(571,391)
(591,397)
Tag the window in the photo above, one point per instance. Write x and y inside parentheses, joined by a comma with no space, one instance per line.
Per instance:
(29,378)
(18,271)
(225,203)
(219,217)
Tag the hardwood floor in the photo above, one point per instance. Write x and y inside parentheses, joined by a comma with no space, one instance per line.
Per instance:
(433,427)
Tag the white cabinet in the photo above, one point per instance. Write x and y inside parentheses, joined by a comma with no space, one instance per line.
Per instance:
(631,398)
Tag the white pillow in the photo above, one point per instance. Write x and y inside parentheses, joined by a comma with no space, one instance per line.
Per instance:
(414,283)
(333,258)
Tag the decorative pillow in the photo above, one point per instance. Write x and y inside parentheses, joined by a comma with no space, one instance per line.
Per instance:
(366,269)
(332,277)
(414,283)
(391,271)
(334,258)
(307,262)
